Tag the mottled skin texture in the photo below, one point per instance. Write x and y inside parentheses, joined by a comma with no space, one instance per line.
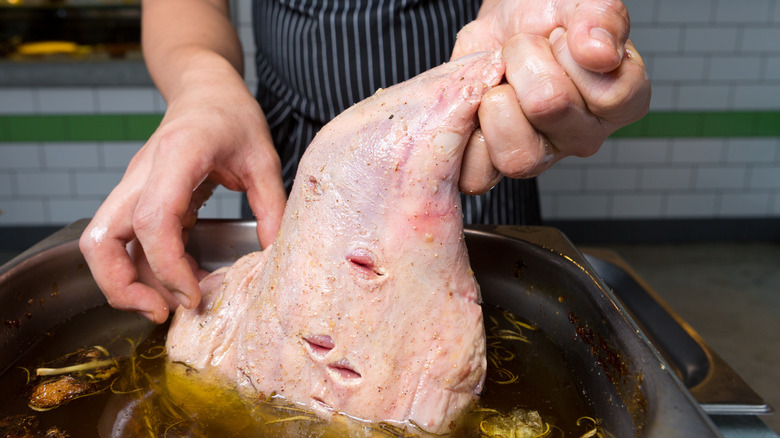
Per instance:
(366,303)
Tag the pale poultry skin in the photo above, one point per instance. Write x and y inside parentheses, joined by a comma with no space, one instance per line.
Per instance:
(365,304)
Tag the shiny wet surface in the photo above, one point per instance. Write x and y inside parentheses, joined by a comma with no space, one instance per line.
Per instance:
(526,371)
(728,292)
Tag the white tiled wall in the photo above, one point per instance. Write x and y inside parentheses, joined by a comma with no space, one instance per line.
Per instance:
(667,178)
(58,183)
(80,100)
(701,55)
(709,54)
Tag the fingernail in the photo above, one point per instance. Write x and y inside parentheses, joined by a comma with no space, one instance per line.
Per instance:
(603,36)
(183,299)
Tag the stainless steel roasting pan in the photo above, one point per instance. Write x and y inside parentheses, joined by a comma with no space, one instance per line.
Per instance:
(534,272)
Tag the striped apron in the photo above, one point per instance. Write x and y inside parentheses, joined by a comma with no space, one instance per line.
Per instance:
(315,58)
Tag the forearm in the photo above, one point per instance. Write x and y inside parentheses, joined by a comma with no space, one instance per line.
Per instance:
(188,41)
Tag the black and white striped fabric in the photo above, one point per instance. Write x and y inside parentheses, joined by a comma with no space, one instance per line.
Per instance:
(315,58)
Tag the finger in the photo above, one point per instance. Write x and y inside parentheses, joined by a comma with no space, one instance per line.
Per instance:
(516,148)
(597,32)
(267,203)
(619,97)
(549,99)
(103,244)
(477,173)
(266,195)
(159,217)
(146,276)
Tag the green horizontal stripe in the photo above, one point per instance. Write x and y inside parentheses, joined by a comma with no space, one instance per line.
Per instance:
(704,124)
(129,127)
(78,127)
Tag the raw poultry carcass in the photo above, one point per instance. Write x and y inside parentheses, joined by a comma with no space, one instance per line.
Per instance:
(366,303)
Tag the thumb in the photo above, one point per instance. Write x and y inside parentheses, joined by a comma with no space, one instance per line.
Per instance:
(597,31)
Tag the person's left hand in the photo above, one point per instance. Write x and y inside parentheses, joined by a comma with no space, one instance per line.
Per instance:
(572,78)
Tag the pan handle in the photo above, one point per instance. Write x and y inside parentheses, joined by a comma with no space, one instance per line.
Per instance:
(713,383)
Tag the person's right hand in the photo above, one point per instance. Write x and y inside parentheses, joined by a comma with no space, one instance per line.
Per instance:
(214,132)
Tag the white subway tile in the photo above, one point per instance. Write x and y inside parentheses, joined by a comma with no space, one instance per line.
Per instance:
(764,177)
(252,85)
(159,102)
(698,151)
(250,75)
(685,11)
(44,183)
(585,206)
(704,97)
(243,10)
(678,68)
(612,179)
(6,184)
(721,177)
(119,154)
(752,150)
(561,180)
(209,210)
(763,97)
(772,69)
(636,206)
(66,211)
(650,39)
(246,35)
(72,100)
(664,97)
(605,155)
(691,205)
(22,212)
(230,208)
(648,59)
(760,39)
(223,204)
(775,18)
(97,183)
(666,178)
(735,68)
(126,100)
(232,196)
(642,151)
(20,156)
(710,39)
(745,204)
(753,11)
(641,11)
(71,155)
(18,101)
